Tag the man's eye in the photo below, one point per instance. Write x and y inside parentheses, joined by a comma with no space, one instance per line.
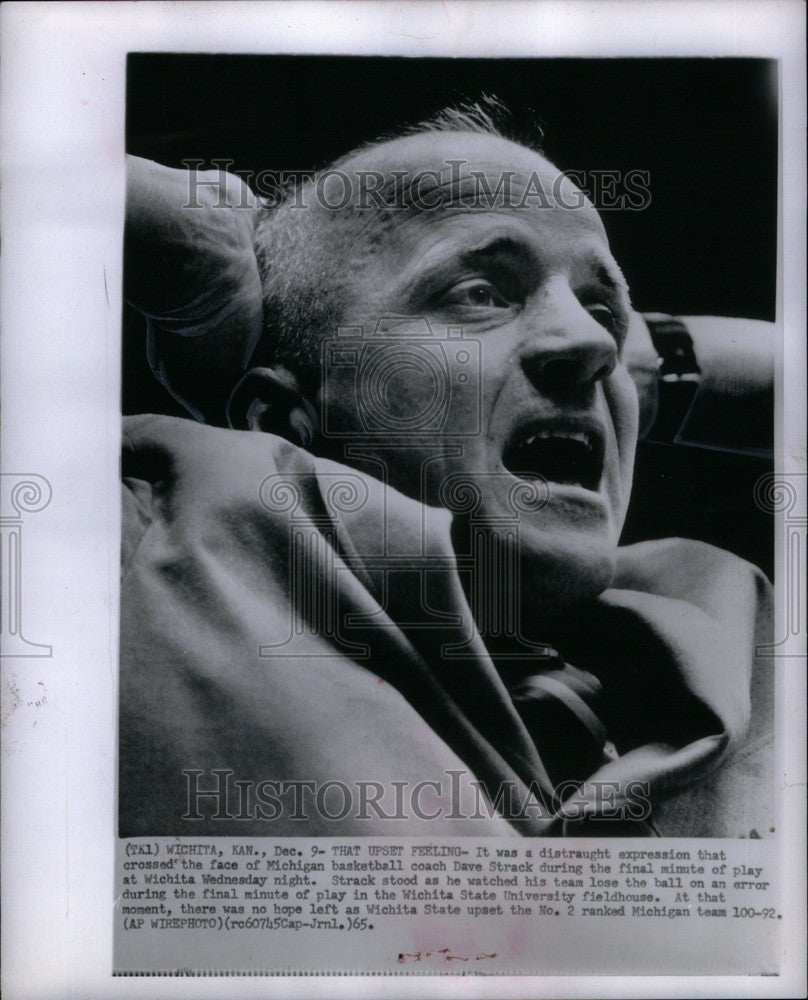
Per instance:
(476,292)
(603,315)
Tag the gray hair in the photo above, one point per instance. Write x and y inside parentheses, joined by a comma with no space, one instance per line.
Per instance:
(301,278)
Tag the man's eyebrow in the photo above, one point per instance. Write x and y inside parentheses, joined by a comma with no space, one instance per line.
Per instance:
(609,274)
(605,271)
(496,245)
(426,277)
(601,268)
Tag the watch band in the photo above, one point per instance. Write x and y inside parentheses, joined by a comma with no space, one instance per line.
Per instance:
(678,376)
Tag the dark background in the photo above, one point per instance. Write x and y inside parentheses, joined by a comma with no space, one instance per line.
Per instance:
(705,129)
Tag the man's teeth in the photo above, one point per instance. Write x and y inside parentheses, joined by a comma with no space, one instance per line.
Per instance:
(545,435)
(563,455)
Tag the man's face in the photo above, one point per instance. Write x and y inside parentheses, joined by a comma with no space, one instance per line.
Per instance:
(543,306)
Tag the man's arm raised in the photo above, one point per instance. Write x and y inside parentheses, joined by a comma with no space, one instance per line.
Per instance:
(190,270)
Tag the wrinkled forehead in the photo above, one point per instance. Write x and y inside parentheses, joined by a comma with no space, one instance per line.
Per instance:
(368,197)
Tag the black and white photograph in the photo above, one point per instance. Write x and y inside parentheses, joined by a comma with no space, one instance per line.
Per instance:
(395,561)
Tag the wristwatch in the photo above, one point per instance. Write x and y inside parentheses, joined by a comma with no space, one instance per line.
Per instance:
(677,376)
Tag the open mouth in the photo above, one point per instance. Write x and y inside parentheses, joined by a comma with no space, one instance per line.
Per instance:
(561,452)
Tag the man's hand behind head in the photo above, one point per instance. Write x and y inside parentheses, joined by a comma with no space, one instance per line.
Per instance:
(191,271)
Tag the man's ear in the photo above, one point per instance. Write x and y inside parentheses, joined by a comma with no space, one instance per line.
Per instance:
(270,400)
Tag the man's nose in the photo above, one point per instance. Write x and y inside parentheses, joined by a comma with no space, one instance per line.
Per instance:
(565,346)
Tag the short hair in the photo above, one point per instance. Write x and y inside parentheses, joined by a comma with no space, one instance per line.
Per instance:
(302,279)
(488,115)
